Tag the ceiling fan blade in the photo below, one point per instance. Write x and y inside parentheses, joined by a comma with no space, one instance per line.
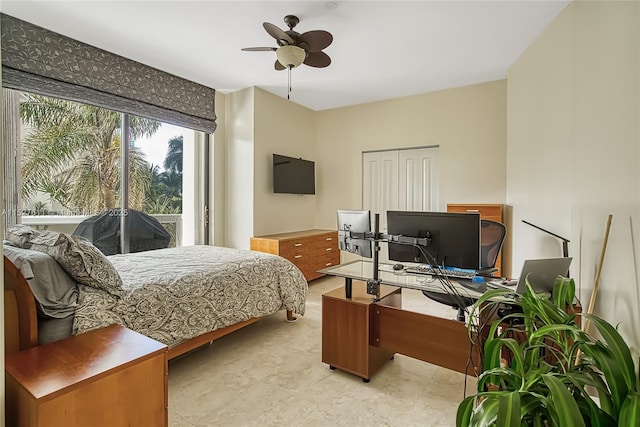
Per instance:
(316,40)
(278,66)
(278,34)
(318,60)
(259,49)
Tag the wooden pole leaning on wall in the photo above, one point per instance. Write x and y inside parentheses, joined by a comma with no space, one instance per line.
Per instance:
(596,283)
(594,293)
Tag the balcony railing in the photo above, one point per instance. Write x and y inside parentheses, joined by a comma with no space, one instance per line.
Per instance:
(67,223)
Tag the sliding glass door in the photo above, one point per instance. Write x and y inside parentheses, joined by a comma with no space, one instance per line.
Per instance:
(68,158)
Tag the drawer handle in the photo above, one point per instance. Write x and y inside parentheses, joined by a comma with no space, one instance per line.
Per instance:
(297,244)
(329,249)
(329,238)
(473,210)
(328,264)
(298,256)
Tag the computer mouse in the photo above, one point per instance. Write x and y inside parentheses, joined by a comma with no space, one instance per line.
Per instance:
(398,267)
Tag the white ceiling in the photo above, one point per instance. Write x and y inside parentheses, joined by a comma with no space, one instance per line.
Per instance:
(381,49)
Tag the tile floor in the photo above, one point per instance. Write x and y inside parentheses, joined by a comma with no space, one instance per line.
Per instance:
(270,374)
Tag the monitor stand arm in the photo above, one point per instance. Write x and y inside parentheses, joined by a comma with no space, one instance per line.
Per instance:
(373,285)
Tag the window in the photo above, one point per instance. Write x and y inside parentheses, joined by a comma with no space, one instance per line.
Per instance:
(69,159)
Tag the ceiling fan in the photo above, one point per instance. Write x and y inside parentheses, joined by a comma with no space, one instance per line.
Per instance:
(295,48)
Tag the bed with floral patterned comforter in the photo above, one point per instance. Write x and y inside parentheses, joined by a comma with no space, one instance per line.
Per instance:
(176,294)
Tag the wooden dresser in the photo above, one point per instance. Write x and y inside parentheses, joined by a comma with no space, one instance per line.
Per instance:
(493,212)
(106,377)
(309,250)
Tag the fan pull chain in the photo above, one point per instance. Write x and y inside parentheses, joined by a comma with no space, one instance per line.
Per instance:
(289,89)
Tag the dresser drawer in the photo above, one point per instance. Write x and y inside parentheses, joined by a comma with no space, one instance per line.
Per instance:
(295,247)
(309,250)
(299,257)
(322,250)
(329,240)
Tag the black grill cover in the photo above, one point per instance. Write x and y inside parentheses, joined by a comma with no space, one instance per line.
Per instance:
(103,230)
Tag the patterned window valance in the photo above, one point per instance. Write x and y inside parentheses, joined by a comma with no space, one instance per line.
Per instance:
(37,60)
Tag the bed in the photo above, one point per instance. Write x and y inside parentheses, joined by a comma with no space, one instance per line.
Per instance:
(183,297)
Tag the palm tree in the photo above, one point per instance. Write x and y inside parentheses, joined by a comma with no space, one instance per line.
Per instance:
(165,192)
(72,153)
(173,160)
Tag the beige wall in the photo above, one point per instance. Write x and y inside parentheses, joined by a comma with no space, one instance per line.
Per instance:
(239,126)
(468,123)
(540,135)
(253,125)
(282,127)
(574,152)
(217,170)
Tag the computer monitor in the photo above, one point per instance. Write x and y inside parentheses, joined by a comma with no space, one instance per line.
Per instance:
(350,223)
(455,238)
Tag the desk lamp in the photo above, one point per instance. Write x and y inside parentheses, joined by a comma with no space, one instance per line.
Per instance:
(565,241)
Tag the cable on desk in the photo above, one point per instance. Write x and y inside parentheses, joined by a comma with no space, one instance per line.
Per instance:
(476,328)
(447,285)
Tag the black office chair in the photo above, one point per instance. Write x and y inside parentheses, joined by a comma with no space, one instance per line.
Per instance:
(492,236)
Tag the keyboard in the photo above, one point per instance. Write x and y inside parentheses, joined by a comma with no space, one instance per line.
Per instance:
(456,273)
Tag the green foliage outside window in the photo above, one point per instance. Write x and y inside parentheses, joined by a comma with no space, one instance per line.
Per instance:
(71,153)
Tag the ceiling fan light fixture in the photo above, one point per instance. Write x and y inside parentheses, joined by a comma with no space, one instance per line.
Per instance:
(290,56)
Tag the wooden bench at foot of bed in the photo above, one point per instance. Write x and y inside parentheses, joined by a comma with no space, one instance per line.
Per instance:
(21,320)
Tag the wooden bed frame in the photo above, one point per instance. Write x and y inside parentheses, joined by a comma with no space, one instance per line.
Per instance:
(21,320)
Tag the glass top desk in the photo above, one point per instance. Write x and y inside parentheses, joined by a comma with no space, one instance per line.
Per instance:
(363,270)
(360,334)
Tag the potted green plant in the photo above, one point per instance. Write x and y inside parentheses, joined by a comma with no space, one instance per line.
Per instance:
(553,364)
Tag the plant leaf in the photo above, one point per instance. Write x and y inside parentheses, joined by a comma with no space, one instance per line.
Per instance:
(509,410)
(619,350)
(492,353)
(606,362)
(564,291)
(565,408)
(465,409)
(630,411)
(486,412)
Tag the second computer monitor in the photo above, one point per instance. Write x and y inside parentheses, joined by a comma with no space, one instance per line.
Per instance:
(351,225)
(455,238)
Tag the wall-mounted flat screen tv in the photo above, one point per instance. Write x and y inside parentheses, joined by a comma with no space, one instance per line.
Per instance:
(293,176)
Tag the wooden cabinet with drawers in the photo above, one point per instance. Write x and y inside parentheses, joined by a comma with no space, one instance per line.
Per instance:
(309,250)
(493,212)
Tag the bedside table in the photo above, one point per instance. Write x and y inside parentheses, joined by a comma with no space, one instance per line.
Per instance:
(106,377)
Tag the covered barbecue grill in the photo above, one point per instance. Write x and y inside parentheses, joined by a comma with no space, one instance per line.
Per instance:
(103,230)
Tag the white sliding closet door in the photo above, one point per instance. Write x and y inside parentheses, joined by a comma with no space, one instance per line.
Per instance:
(405,180)
(418,179)
(380,184)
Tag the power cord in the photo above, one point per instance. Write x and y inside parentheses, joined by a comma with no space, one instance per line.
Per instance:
(476,323)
